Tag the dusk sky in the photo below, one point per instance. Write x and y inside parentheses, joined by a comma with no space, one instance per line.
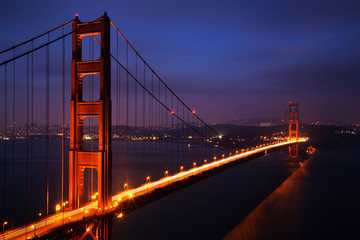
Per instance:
(228,59)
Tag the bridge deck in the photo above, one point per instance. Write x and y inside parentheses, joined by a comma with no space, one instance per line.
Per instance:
(45,225)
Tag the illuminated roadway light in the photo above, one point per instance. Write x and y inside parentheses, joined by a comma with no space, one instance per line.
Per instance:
(120,215)
(172,112)
(193,111)
(88,229)
(181,168)
(58,208)
(130,195)
(194,164)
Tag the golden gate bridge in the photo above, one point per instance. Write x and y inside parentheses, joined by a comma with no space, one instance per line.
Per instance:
(128,139)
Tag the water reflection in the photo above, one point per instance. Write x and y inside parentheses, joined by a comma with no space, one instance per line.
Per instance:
(280,215)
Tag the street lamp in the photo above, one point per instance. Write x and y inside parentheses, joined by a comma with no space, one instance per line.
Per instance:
(4,223)
(57,208)
(181,168)
(34,227)
(147,181)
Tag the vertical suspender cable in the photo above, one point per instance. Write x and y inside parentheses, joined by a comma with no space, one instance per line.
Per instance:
(144,127)
(183,133)
(27,139)
(158,130)
(32,125)
(177,135)
(127,114)
(13,149)
(47,125)
(172,131)
(5,147)
(135,128)
(189,132)
(63,123)
(166,132)
(117,80)
(151,125)
(119,103)
(117,97)
(149,135)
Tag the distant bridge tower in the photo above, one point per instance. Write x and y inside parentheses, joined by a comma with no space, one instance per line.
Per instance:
(294,129)
(79,159)
(293,121)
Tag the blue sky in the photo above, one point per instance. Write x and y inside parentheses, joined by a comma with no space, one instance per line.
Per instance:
(228,59)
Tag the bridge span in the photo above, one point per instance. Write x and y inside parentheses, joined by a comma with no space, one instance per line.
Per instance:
(63,219)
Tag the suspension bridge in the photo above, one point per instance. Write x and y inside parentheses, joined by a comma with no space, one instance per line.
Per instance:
(87,136)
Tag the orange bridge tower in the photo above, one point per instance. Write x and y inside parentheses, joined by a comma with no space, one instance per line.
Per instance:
(293,121)
(293,129)
(79,159)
